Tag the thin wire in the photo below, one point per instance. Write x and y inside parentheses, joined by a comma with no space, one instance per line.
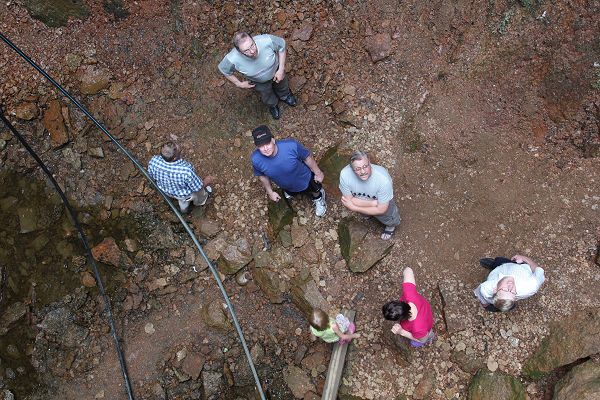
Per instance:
(86,245)
(191,234)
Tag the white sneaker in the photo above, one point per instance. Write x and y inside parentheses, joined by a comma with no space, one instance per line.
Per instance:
(287,195)
(320,205)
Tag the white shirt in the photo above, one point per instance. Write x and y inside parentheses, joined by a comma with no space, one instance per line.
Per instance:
(527,283)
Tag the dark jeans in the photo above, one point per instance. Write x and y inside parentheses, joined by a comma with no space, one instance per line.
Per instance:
(314,188)
(498,261)
(271,92)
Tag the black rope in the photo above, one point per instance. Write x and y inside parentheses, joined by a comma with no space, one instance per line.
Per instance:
(86,245)
(166,198)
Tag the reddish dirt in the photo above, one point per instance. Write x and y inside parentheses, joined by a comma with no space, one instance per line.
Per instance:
(483,133)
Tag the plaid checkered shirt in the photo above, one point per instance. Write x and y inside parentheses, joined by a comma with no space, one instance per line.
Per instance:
(177,179)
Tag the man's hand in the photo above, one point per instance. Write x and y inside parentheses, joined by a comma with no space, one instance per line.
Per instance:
(245,85)
(274,196)
(347,202)
(319,176)
(279,75)
(519,259)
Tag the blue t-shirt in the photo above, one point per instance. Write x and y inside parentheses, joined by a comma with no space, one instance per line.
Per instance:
(286,168)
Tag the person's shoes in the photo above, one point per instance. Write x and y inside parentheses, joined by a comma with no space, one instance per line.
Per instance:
(208,194)
(287,195)
(275,113)
(488,263)
(388,232)
(320,205)
(290,100)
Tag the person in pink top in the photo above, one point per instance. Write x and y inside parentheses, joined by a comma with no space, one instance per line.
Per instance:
(412,311)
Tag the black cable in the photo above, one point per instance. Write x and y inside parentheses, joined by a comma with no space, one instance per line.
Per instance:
(187,228)
(86,245)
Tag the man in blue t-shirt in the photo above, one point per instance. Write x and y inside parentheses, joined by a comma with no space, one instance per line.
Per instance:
(261,61)
(289,165)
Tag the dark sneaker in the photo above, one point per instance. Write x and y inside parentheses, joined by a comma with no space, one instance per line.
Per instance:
(275,113)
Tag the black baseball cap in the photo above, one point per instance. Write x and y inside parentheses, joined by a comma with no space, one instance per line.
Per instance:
(261,134)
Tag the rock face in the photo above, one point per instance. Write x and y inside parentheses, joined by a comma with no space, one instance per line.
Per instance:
(109,253)
(55,124)
(486,385)
(306,295)
(298,381)
(55,13)
(581,383)
(359,251)
(280,215)
(379,46)
(331,164)
(569,340)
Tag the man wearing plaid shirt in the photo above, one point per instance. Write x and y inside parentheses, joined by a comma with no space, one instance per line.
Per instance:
(177,178)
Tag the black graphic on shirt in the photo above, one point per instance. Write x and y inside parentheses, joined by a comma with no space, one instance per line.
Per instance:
(374,197)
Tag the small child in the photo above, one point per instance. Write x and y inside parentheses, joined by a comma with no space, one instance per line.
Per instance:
(332,331)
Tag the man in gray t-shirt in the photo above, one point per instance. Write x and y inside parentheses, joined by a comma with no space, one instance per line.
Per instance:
(368,189)
(261,60)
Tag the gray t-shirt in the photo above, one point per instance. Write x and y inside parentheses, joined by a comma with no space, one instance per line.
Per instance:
(377,187)
(259,69)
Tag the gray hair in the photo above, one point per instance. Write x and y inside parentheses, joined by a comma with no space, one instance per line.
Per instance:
(358,155)
(238,38)
(170,151)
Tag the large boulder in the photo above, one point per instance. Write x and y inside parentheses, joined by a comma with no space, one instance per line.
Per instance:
(298,381)
(570,339)
(399,344)
(305,294)
(55,13)
(360,251)
(230,256)
(280,215)
(267,278)
(581,383)
(495,385)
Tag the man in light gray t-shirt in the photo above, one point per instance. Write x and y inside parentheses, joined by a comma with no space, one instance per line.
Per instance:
(368,189)
(261,60)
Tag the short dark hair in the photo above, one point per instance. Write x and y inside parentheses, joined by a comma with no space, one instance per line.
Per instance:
(170,151)
(238,38)
(396,311)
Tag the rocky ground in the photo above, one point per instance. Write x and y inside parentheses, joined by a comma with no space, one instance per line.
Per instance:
(485,114)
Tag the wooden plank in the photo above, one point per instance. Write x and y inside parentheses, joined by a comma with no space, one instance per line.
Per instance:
(336,365)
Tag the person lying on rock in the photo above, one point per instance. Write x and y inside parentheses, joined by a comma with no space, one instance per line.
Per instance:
(368,189)
(261,60)
(290,165)
(509,281)
(177,178)
(332,330)
(413,313)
